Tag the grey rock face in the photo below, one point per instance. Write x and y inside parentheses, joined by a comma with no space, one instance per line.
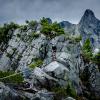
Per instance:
(94,79)
(7,94)
(69,28)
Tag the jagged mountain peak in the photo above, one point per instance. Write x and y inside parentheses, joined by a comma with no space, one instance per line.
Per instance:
(88,16)
(89,12)
(89,27)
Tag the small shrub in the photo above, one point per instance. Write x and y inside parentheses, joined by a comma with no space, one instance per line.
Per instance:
(37,63)
(6,73)
(23,28)
(14,78)
(78,38)
(18,35)
(9,55)
(87,51)
(51,29)
(60,92)
(34,35)
(6,31)
(32,24)
(71,90)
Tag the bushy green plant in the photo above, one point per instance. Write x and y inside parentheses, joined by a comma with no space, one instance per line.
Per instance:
(38,62)
(11,77)
(18,35)
(60,91)
(51,29)
(44,21)
(34,35)
(31,24)
(78,38)
(23,28)
(9,55)
(5,73)
(71,90)
(87,51)
(5,35)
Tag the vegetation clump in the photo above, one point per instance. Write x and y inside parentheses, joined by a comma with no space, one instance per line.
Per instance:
(78,38)
(11,77)
(32,24)
(51,29)
(23,28)
(87,51)
(88,55)
(69,90)
(34,35)
(37,62)
(5,33)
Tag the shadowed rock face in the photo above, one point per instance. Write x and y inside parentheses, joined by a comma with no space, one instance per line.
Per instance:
(7,94)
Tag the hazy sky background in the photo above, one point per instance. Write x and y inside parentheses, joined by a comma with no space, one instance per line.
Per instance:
(57,10)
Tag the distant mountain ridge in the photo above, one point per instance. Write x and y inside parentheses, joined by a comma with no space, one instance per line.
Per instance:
(88,27)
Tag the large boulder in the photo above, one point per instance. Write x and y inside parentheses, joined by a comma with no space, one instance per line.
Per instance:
(58,71)
(40,79)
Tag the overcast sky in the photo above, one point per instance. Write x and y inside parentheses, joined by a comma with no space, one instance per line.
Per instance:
(57,10)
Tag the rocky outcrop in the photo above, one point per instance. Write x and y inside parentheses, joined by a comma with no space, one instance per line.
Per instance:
(9,94)
(70,28)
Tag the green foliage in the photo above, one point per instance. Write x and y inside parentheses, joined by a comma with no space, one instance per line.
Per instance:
(9,55)
(78,38)
(6,73)
(23,28)
(56,28)
(31,24)
(38,62)
(44,21)
(34,35)
(18,35)
(60,91)
(5,35)
(87,51)
(69,90)
(51,30)
(11,77)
